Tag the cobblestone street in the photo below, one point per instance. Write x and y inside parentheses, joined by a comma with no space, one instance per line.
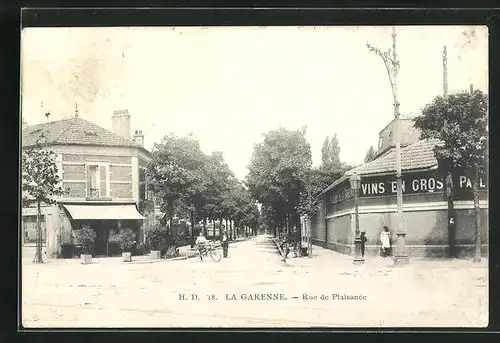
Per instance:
(109,293)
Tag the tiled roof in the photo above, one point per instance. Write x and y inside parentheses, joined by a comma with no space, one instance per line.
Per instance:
(72,131)
(419,155)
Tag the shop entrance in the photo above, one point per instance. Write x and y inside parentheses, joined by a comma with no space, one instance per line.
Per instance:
(101,247)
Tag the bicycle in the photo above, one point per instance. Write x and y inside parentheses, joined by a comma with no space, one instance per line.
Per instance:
(209,249)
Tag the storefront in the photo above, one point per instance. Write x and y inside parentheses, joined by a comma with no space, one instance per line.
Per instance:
(425,208)
(106,219)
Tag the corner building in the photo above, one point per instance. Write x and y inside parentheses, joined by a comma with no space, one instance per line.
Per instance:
(103,174)
(425,207)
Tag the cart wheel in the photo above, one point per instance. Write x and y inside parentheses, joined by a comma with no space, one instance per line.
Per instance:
(215,254)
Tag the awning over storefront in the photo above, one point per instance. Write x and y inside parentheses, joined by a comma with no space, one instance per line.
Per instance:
(103,212)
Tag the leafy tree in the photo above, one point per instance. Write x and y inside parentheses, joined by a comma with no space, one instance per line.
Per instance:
(370,154)
(317,180)
(40,184)
(277,171)
(330,154)
(219,178)
(326,154)
(175,175)
(459,122)
(335,153)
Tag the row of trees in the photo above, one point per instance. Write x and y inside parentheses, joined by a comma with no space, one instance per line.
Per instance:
(281,176)
(190,184)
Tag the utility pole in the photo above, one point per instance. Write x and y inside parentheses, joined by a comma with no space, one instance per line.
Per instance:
(475,191)
(445,72)
(392,66)
(449,176)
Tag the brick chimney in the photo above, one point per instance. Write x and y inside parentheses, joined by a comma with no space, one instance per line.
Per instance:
(139,137)
(121,123)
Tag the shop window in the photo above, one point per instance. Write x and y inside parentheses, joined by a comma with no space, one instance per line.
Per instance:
(30,230)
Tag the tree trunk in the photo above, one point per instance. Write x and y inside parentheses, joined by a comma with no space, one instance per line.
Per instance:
(233,229)
(38,255)
(475,193)
(192,229)
(220,226)
(205,227)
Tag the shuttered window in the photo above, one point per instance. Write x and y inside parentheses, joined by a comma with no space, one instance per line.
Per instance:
(97,180)
(103,176)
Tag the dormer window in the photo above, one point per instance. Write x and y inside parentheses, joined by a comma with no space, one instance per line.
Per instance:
(90,133)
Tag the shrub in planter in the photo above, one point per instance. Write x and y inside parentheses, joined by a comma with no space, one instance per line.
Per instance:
(127,242)
(140,250)
(86,236)
(154,236)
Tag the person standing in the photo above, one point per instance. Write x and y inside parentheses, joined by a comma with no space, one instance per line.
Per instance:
(201,242)
(286,245)
(363,242)
(295,241)
(224,243)
(385,239)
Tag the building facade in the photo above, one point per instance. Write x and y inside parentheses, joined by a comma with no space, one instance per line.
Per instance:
(425,207)
(103,175)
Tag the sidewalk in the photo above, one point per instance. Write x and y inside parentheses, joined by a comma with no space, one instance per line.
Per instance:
(322,257)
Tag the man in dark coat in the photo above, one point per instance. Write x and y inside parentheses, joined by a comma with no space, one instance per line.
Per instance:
(295,241)
(363,242)
(224,242)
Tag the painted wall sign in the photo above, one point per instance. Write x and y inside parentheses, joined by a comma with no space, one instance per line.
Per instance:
(413,183)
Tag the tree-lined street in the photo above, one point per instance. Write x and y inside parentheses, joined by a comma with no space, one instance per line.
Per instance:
(109,293)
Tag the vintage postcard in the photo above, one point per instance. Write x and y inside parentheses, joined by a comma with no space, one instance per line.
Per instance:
(254,177)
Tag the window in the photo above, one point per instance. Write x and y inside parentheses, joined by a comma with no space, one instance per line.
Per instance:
(380,142)
(29,228)
(142,184)
(97,180)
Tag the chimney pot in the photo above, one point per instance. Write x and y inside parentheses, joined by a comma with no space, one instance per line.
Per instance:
(121,123)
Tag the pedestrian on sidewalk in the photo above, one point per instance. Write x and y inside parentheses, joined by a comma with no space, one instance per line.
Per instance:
(224,243)
(385,239)
(285,245)
(363,242)
(295,241)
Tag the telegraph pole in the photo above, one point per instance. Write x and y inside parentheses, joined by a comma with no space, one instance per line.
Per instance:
(392,66)
(449,176)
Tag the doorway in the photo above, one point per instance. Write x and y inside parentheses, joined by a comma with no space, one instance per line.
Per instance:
(102,237)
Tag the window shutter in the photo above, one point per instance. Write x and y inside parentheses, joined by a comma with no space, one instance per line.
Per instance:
(103,179)
(89,182)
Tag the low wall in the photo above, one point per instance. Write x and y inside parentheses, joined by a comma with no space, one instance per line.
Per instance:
(426,231)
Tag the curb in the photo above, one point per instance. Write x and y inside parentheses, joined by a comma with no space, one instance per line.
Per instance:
(160,260)
(278,246)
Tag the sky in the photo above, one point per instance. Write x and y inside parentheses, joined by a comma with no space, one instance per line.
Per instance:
(230,85)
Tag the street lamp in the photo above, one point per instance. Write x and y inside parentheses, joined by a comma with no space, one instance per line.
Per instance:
(355,181)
